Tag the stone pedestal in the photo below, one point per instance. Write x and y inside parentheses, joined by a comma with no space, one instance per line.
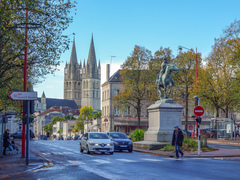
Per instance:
(163,116)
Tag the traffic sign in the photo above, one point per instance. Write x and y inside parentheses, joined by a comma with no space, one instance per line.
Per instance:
(22,95)
(198,110)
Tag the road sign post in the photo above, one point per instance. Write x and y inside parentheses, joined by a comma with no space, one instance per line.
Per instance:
(198,111)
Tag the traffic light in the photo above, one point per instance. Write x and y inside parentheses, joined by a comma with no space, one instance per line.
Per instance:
(25,120)
(199,120)
(25,107)
(196,100)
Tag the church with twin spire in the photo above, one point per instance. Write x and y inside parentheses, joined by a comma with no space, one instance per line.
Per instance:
(82,82)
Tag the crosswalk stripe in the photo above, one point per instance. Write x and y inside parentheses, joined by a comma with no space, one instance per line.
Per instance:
(145,159)
(101,161)
(75,162)
(126,160)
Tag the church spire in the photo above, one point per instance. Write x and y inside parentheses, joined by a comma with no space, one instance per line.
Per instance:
(92,62)
(73,59)
(84,63)
(99,66)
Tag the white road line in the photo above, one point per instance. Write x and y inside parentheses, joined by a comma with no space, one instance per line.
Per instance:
(101,161)
(145,159)
(126,160)
(75,162)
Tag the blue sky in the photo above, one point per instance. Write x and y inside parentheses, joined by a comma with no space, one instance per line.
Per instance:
(119,25)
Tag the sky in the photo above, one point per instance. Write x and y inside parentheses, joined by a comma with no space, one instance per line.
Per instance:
(118,25)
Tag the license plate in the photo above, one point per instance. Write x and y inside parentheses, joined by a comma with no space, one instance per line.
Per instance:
(123,145)
(102,150)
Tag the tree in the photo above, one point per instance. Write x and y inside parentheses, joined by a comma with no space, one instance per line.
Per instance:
(84,113)
(98,115)
(138,81)
(159,56)
(46,22)
(186,78)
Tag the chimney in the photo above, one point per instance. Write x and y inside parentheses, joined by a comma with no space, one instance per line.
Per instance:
(107,72)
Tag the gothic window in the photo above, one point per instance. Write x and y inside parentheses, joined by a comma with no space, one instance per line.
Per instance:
(93,85)
(79,85)
(70,85)
(93,93)
(86,84)
(97,94)
(66,85)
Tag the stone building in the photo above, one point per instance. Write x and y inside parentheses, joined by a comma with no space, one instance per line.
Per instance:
(82,82)
(114,119)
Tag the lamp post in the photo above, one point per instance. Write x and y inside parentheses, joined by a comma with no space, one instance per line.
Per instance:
(196,98)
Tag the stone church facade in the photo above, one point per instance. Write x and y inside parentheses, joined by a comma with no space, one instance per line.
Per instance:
(82,82)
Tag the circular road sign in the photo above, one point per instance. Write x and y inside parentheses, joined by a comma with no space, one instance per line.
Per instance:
(198,110)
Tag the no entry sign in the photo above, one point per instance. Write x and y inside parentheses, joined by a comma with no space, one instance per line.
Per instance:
(198,110)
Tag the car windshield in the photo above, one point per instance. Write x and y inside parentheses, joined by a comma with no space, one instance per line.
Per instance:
(98,136)
(118,136)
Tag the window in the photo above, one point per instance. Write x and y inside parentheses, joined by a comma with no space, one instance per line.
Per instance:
(93,93)
(115,92)
(65,70)
(127,110)
(116,111)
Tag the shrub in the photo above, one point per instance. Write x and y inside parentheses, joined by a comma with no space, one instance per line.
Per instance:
(137,135)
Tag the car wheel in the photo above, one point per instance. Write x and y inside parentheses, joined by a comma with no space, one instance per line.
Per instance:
(88,152)
(111,153)
(81,149)
(130,150)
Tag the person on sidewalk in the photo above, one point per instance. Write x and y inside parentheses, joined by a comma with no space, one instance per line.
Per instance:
(6,142)
(177,140)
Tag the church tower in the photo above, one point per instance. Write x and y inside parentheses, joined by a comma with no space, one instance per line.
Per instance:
(91,78)
(82,83)
(72,78)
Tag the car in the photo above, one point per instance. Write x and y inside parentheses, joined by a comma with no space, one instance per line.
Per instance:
(42,137)
(60,138)
(207,133)
(80,137)
(187,133)
(76,137)
(96,142)
(120,141)
(69,138)
(18,135)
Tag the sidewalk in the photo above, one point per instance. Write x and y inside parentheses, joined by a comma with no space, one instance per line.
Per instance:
(13,164)
(223,154)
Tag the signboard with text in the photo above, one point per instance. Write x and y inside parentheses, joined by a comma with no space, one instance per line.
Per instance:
(22,95)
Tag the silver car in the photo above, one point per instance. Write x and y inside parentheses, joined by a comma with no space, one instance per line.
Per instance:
(96,142)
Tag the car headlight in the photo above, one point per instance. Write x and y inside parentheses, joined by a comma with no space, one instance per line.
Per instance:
(130,143)
(92,143)
(110,144)
(116,143)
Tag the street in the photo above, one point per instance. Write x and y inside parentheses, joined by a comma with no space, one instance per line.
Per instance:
(224,146)
(69,163)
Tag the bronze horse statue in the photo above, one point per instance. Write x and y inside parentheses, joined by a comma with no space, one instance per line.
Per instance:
(165,80)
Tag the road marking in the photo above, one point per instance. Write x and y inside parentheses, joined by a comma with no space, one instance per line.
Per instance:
(101,161)
(145,159)
(75,162)
(126,160)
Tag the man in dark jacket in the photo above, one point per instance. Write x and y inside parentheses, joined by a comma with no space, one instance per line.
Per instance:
(177,140)
(6,142)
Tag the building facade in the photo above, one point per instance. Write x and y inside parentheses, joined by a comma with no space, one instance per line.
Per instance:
(114,119)
(82,82)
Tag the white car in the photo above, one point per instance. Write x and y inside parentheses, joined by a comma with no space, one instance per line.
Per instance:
(96,142)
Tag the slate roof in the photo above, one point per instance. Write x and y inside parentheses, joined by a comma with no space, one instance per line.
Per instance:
(116,77)
(60,102)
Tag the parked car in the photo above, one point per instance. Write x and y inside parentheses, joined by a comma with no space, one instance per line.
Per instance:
(206,132)
(42,137)
(80,137)
(76,137)
(69,138)
(18,135)
(187,133)
(96,142)
(120,141)
(60,138)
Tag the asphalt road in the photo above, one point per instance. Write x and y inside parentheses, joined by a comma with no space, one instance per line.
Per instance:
(224,146)
(70,164)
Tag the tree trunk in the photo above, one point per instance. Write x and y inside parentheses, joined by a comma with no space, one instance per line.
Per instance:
(226,112)
(215,122)
(139,114)
(186,109)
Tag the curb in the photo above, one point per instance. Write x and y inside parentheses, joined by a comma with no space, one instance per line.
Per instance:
(187,156)
(231,143)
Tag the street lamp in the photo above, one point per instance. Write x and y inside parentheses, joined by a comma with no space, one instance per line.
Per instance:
(196,98)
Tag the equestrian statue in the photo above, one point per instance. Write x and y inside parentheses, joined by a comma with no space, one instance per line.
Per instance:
(164,78)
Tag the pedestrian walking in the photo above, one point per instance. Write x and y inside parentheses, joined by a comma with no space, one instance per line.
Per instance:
(177,140)
(6,141)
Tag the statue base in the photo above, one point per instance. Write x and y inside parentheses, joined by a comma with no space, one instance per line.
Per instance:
(162,119)
(164,100)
